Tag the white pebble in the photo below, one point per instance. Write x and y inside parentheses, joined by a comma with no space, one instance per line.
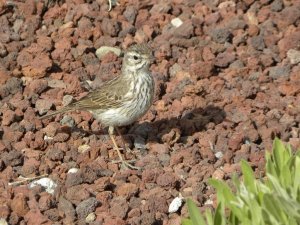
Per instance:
(175,204)
(73,170)
(45,182)
(219,155)
(208,202)
(176,22)
(46,138)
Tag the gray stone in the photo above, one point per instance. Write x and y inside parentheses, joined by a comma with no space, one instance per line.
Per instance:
(279,71)
(130,13)
(68,121)
(86,207)
(43,106)
(220,35)
(277,5)
(237,64)
(56,84)
(257,42)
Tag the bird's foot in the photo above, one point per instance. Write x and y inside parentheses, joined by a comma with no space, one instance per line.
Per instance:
(126,164)
(128,149)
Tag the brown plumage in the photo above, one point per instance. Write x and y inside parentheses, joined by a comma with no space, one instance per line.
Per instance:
(123,100)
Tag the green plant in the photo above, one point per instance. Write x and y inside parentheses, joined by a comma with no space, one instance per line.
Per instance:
(272,200)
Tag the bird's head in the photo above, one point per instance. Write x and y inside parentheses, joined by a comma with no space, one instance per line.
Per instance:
(137,57)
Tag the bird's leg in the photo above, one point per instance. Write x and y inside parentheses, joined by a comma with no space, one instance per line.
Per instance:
(124,162)
(123,141)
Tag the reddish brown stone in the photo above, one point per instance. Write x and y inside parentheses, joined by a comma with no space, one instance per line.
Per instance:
(202,69)
(8,117)
(127,190)
(288,42)
(19,205)
(4,75)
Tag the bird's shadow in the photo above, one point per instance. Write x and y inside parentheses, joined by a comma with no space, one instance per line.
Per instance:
(186,125)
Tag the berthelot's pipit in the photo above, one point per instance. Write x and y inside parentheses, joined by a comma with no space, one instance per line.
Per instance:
(122,100)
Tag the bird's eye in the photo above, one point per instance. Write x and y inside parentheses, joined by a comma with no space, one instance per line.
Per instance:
(135,57)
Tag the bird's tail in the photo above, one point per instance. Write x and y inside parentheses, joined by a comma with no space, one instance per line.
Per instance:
(63,110)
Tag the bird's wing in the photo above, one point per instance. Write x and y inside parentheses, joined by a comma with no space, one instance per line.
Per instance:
(98,100)
(110,95)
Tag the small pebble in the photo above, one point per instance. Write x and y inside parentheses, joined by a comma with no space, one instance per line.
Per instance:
(90,218)
(73,170)
(47,138)
(226,4)
(208,202)
(43,106)
(175,204)
(219,155)
(175,69)
(276,72)
(67,121)
(56,84)
(176,22)
(83,148)
(102,51)
(294,56)
(67,99)
(45,182)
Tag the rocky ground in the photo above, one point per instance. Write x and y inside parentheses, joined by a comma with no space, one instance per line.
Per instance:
(227,82)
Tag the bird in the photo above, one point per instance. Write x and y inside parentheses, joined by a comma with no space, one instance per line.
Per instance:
(122,100)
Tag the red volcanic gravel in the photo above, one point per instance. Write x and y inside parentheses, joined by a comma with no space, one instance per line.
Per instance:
(227,82)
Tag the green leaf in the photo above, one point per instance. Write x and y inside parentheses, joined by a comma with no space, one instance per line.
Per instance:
(194,212)
(280,154)
(296,181)
(272,207)
(269,218)
(233,219)
(249,179)
(292,221)
(277,187)
(186,222)
(290,206)
(209,217)
(220,218)
(224,193)
(270,166)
